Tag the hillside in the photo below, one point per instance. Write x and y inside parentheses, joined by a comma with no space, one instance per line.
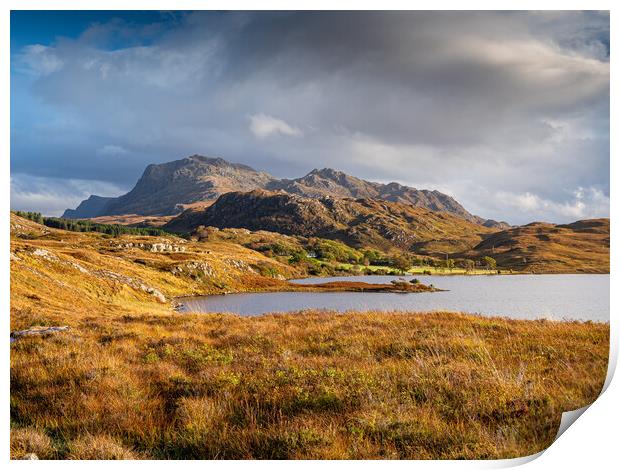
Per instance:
(55,269)
(581,247)
(357,222)
(196,181)
(134,220)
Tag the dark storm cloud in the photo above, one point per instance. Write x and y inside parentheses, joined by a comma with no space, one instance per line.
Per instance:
(509,112)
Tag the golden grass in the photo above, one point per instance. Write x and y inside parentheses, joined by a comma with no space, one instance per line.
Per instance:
(99,447)
(310,385)
(26,441)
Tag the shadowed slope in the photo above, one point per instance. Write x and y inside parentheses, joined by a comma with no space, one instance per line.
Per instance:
(357,222)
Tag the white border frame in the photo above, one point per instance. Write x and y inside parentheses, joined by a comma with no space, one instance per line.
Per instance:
(592,442)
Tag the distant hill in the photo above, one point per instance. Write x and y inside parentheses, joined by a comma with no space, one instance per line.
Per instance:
(582,246)
(357,222)
(169,188)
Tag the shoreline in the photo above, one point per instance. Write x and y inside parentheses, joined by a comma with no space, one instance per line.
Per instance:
(333,312)
(462,273)
(335,286)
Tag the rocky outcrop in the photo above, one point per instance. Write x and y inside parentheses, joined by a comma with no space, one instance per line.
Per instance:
(163,247)
(193,269)
(106,274)
(131,282)
(49,256)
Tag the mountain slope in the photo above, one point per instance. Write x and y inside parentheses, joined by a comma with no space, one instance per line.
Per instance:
(168,188)
(91,207)
(357,222)
(165,188)
(582,246)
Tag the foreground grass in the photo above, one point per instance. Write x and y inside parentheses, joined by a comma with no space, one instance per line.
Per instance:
(309,385)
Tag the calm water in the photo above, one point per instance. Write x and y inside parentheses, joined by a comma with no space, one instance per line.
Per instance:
(552,296)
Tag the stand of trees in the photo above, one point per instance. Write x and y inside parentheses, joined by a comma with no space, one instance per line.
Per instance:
(88,226)
(489,262)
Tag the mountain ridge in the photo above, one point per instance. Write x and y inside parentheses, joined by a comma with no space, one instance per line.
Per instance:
(171,187)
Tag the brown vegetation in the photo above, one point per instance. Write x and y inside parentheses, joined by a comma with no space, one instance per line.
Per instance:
(308,385)
(53,269)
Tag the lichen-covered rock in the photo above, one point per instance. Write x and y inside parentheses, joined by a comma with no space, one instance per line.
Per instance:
(165,247)
(239,264)
(80,268)
(45,254)
(131,282)
(193,269)
(38,330)
(154,292)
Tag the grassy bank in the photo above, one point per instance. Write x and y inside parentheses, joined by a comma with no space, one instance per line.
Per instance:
(311,385)
(418,270)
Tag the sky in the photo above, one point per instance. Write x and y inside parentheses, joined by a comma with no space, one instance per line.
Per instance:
(508,112)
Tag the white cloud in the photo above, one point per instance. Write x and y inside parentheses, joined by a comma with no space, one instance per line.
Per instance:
(51,196)
(41,60)
(584,203)
(112,151)
(262,126)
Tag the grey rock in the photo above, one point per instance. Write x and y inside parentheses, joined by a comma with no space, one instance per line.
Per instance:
(38,330)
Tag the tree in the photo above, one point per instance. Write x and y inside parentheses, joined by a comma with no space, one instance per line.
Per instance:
(402,263)
(469,264)
(489,262)
(297,257)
